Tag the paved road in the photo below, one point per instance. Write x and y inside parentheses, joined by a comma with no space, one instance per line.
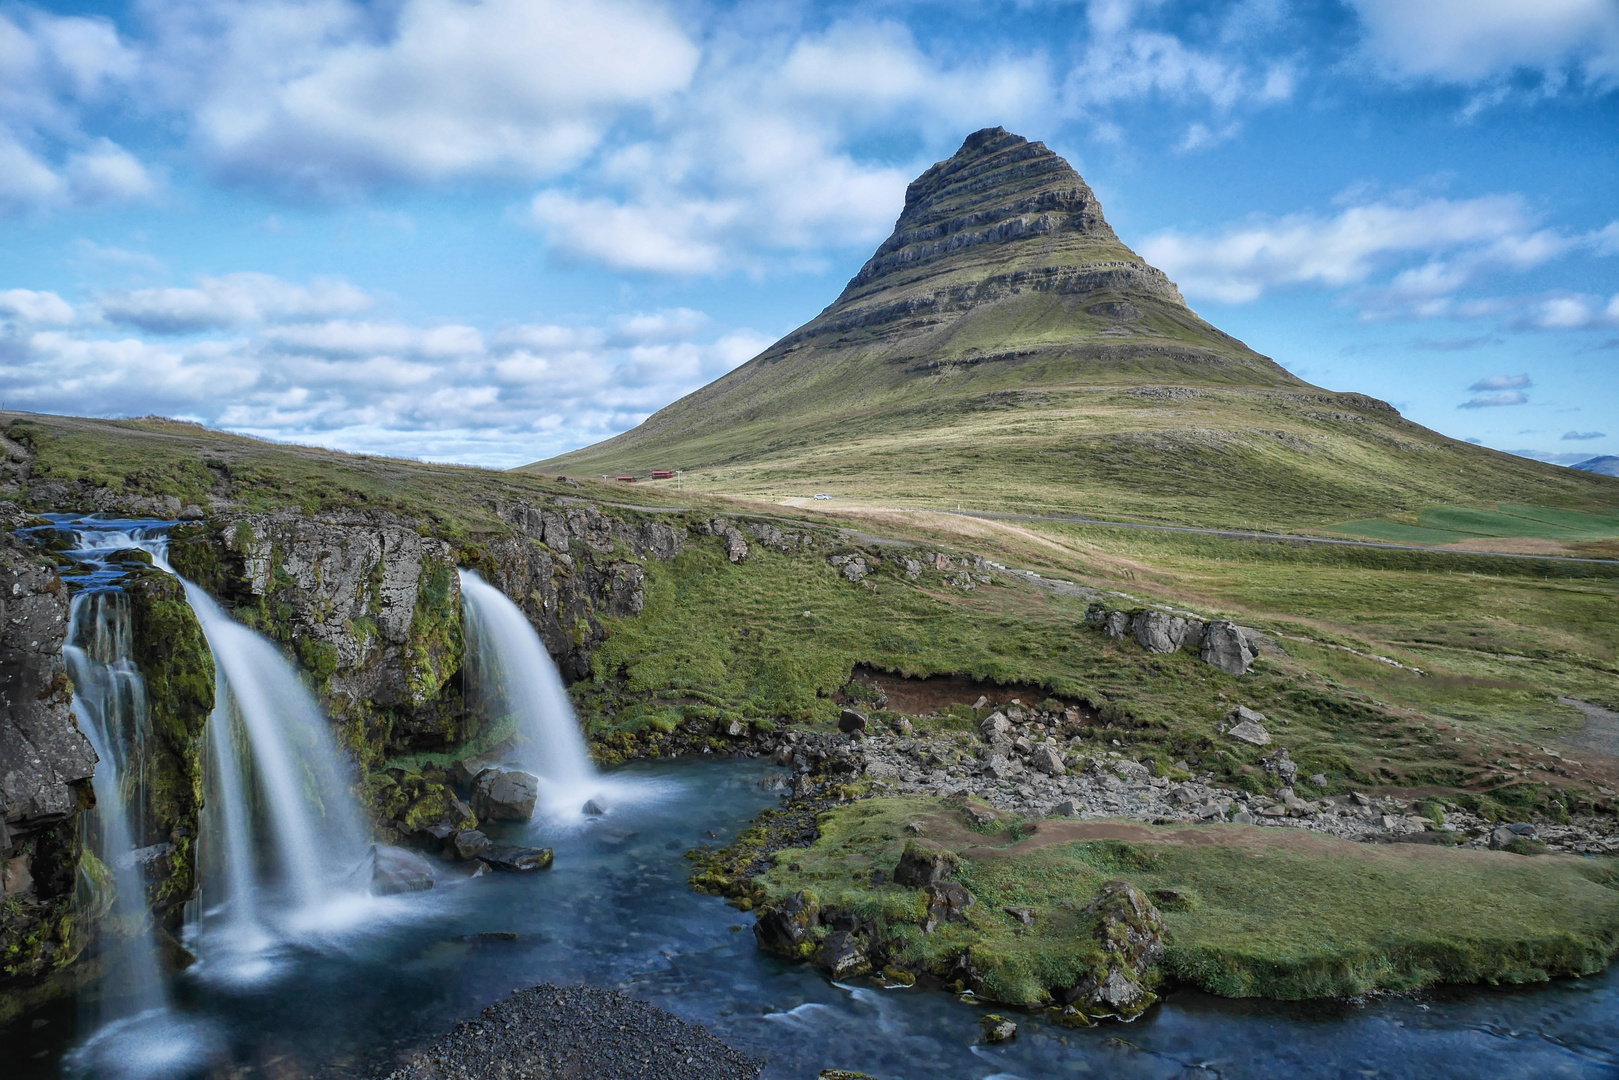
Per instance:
(1238,534)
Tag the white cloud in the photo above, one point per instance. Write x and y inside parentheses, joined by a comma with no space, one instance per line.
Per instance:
(1503,382)
(1461,237)
(1487,401)
(452,392)
(1570,311)
(37,308)
(331,96)
(1401,257)
(233,300)
(1471,41)
(1581,436)
(52,69)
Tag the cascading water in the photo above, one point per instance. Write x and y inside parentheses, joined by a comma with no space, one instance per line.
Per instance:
(136,1033)
(281,845)
(513,675)
(109,702)
(276,790)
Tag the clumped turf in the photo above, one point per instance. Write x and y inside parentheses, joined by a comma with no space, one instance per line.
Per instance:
(1248,912)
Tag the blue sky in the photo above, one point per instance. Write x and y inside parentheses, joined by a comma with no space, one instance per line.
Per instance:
(492,230)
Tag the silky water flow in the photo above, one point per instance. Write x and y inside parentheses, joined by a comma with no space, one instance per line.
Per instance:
(282,856)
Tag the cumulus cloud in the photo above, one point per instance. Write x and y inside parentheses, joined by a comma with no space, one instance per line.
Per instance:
(1490,401)
(52,70)
(231,301)
(1578,436)
(1503,382)
(333,96)
(449,392)
(36,308)
(1397,257)
(1456,238)
(1471,41)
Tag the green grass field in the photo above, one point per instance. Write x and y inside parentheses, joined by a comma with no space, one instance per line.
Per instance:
(1456,524)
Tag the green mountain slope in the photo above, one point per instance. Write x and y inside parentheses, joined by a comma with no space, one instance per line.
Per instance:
(1004,349)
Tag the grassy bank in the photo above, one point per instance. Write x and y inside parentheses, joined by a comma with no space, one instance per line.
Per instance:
(1248,912)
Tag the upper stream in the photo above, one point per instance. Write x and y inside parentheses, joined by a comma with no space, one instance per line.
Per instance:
(616,911)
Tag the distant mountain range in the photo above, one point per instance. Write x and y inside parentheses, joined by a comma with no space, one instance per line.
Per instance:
(1606,465)
(1004,349)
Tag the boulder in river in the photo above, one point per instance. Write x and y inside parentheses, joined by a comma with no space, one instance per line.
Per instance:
(786,928)
(843,955)
(469,844)
(395,870)
(504,795)
(515,859)
(997,1028)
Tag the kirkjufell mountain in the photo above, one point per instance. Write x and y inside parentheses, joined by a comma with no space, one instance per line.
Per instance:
(1005,348)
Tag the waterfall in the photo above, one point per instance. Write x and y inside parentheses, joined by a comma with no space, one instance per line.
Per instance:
(512,674)
(109,702)
(135,1034)
(276,789)
(281,838)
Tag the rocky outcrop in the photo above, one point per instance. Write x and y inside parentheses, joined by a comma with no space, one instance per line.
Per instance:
(1220,642)
(1130,933)
(45,769)
(168,646)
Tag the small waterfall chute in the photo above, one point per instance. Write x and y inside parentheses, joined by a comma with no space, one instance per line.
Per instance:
(510,674)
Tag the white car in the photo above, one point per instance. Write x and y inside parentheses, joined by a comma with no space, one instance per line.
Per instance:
(823,496)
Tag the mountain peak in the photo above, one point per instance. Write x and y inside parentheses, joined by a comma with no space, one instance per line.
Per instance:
(1002,213)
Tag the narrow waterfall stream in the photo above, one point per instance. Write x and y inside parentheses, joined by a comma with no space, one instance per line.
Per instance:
(282,838)
(512,674)
(109,702)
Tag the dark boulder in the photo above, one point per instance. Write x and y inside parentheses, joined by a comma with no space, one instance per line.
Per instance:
(516,859)
(787,928)
(504,795)
(923,864)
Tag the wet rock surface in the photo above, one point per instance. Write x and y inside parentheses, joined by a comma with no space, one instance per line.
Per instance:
(504,795)
(576,1033)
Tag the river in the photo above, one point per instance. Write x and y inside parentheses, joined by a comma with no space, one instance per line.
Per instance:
(615,911)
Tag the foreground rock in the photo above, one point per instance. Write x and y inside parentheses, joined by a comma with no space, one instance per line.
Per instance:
(574,1033)
(395,870)
(504,795)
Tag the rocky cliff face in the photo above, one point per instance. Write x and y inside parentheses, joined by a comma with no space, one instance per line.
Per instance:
(45,770)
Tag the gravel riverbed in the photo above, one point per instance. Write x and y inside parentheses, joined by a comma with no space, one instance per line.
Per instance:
(577,1033)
